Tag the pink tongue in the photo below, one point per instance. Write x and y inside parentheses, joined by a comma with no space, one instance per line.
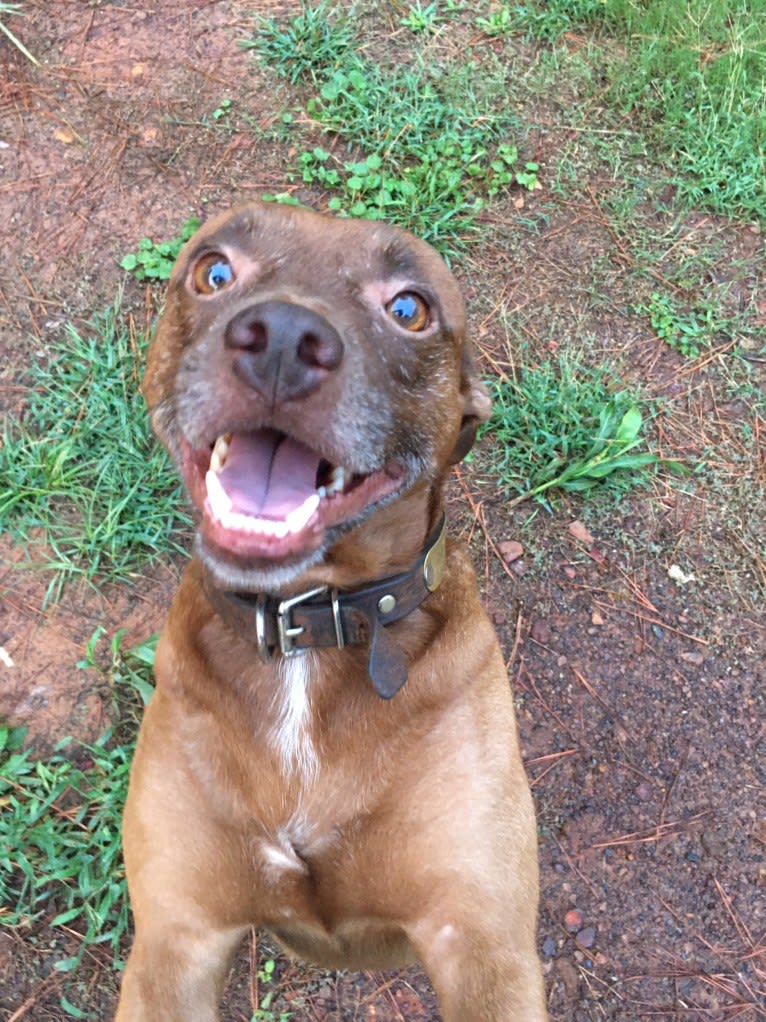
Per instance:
(268,474)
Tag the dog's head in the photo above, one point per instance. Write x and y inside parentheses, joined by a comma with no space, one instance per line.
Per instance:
(307,371)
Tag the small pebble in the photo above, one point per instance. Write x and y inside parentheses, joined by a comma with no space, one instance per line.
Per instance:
(586,937)
(573,920)
(541,632)
(510,550)
(579,532)
(549,947)
(693,658)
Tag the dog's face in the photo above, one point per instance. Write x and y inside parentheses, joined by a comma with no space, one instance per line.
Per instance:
(306,371)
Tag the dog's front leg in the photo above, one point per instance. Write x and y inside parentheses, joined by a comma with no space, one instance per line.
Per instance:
(190,887)
(176,974)
(480,973)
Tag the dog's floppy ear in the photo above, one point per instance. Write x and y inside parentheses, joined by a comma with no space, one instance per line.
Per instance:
(477,407)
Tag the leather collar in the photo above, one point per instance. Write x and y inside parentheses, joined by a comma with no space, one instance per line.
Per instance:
(325,617)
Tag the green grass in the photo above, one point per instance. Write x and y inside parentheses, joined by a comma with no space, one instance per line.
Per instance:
(562,425)
(541,19)
(432,160)
(308,44)
(60,833)
(60,844)
(691,76)
(5,10)
(80,471)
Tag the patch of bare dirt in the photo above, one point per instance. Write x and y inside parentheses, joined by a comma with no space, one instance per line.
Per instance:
(43,688)
(641,699)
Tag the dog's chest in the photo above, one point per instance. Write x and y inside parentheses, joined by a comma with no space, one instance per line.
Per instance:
(291,735)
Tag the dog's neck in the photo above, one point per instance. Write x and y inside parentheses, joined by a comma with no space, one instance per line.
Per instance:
(326,617)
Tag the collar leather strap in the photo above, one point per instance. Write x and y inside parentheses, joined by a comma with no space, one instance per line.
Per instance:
(325,617)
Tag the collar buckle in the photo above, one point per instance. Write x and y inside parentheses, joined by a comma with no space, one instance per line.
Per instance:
(356,618)
(288,632)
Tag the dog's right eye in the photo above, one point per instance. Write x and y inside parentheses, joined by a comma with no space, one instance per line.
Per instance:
(410,311)
(213,272)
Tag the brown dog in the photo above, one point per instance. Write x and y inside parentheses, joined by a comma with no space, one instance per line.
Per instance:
(310,379)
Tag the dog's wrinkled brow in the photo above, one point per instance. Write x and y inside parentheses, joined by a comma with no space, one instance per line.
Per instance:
(398,260)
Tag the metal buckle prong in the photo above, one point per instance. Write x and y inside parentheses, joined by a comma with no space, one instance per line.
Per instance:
(286,631)
(340,642)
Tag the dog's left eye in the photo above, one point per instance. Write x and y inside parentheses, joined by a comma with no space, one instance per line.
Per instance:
(212,272)
(410,311)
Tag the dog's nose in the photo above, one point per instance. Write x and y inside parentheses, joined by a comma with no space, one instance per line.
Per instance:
(282,350)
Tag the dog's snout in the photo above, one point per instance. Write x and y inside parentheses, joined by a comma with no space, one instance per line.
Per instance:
(282,350)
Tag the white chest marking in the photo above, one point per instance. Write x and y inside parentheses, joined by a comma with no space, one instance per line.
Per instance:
(291,735)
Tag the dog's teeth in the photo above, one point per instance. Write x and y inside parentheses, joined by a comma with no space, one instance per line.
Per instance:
(220,451)
(299,518)
(218,498)
(337,480)
(224,513)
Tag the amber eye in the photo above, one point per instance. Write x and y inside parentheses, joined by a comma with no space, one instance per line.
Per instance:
(410,311)
(211,273)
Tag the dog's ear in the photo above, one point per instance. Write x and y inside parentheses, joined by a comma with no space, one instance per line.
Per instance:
(477,407)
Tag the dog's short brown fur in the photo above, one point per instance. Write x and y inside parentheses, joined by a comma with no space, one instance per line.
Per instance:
(288,794)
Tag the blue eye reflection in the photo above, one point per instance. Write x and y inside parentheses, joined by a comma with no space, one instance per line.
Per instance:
(219,275)
(410,311)
(404,307)
(212,272)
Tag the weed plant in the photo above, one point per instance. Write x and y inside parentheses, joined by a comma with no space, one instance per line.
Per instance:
(542,19)
(266,979)
(155,260)
(422,144)
(80,467)
(563,425)
(687,333)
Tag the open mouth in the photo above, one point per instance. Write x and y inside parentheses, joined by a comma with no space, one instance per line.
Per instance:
(266,495)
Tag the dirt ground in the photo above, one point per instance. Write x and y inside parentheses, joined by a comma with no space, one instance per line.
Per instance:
(641,701)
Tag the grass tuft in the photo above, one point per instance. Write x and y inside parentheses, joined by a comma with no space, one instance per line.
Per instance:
(310,44)
(60,850)
(691,75)
(80,470)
